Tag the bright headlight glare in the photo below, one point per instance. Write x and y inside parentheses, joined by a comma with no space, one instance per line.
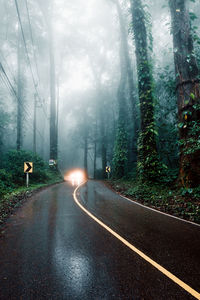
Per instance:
(76,176)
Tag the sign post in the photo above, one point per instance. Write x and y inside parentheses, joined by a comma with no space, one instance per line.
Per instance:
(28,168)
(27,179)
(108,170)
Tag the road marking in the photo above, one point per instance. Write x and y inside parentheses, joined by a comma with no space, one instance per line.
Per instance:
(158,211)
(182,284)
(150,208)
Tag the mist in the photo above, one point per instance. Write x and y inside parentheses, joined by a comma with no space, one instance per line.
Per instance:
(99,149)
(65,81)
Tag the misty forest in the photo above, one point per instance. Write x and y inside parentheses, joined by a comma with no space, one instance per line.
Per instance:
(96,84)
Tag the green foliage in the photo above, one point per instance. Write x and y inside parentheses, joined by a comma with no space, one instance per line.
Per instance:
(195,35)
(6,184)
(166,118)
(4,121)
(12,177)
(120,152)
(193,16)
(14,165)
(190,192)
(198,54)
(192,143)
(183,203)
(148,166)
(13,196)
(166,81)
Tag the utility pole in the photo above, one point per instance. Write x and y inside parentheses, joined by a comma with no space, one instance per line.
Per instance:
(19,93)
(53,113)
(57,110)
(95,148)
(34,123)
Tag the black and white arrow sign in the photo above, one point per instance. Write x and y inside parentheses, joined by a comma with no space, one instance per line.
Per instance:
(28,167)
(108,169)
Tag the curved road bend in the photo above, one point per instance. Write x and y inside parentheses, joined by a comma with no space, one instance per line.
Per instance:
(50,249)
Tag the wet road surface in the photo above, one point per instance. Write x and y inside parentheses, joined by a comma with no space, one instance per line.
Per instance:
(50,249)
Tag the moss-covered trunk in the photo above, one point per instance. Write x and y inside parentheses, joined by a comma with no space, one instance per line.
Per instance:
(131,85)
(147,151)
(121,144)
(188,94)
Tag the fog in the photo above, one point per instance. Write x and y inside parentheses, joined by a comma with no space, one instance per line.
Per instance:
(69,53)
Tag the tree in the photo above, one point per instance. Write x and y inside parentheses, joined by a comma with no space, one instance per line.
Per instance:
(19,92)
(120,160)
(148,162)
(188,94)
(129,70)
(121,144)
(4,122)
(47,10)
(53,114)
(100,114)
(95,148)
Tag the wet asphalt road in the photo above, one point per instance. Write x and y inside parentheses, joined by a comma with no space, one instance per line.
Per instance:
(50,249)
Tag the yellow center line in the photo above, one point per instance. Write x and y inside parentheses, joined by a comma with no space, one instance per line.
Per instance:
(182,284)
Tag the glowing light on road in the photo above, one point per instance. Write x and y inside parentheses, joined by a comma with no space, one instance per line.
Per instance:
(76,177)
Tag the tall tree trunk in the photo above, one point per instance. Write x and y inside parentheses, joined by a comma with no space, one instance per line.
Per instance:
(129,70)
(57,108)
(103,141)
(86,154)
(148,156)
(53,114)
(101,117)
(47,10)
(188,94)
(19,94)
(121,146)
(95,149)
(34,123)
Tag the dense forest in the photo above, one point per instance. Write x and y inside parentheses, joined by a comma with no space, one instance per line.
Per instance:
(92,84)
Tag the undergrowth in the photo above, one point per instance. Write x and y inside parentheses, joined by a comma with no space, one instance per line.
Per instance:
(183,203)
(13,190)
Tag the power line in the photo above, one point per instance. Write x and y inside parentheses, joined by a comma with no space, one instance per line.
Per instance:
(10,84)
(5,82)
(5,74)
(31,34)
(1,53)
(11,91)
(28,58)
(11,88)
(34,52)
